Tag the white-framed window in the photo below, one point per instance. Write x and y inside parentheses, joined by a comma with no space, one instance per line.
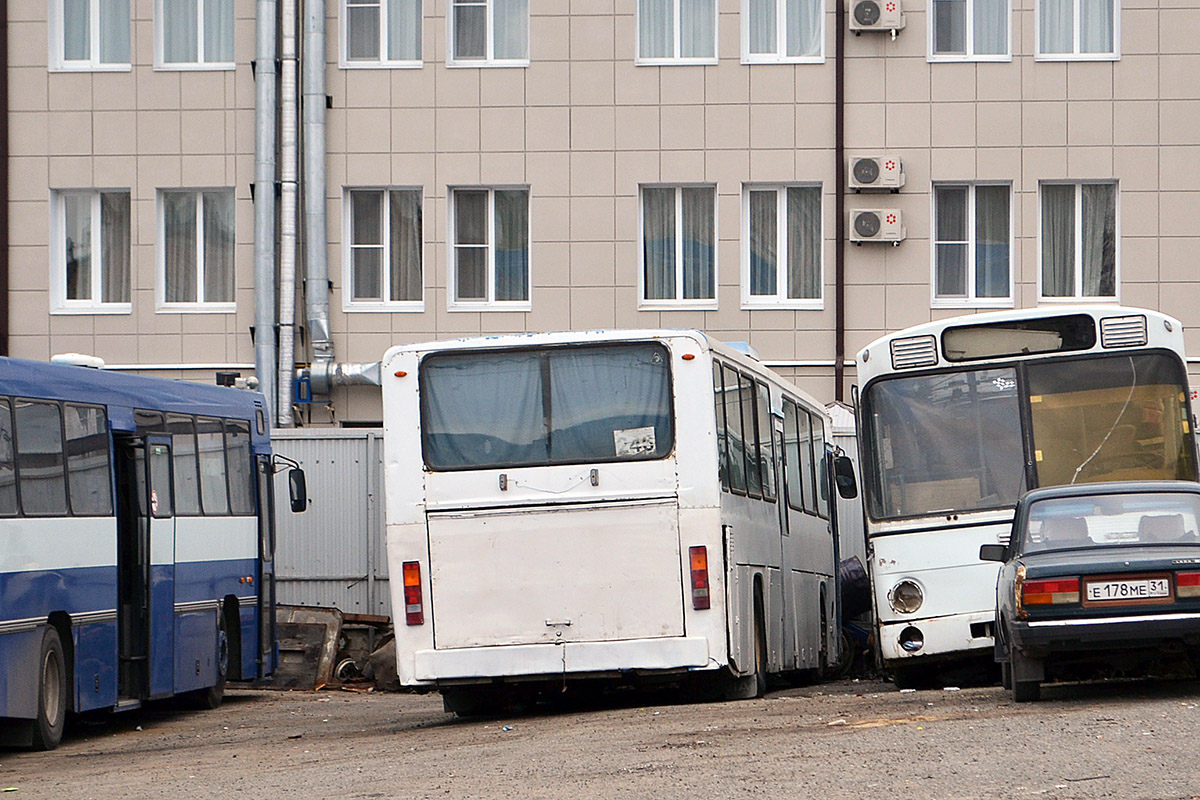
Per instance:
(381,33)
(678,246)
(90,251)
(488,33)
(972,245)
(970,30)
(1078,241)
(783,31)
(196,246)
(194,34)
(490,255)
(782,244)
(382,253)
(1079,29)
(677,31)
(89,35)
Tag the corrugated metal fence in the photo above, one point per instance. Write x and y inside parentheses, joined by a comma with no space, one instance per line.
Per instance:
(333,554)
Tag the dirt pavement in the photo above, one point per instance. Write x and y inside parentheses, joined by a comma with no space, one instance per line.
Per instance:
(848,739)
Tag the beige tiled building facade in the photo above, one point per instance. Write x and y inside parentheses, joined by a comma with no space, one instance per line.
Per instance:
(526,165)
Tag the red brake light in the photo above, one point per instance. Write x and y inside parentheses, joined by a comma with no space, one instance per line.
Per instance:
(698,558)
(1187,584)
(1051,592)
(414,607)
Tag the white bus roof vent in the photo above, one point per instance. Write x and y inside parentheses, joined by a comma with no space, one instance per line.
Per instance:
(915,351)
(77,360)
(1123,331)
(745,348)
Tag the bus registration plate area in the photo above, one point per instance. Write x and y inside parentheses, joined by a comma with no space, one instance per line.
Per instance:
(1130,590)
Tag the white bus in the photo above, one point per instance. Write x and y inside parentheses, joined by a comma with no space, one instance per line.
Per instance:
(568,506)
(957,418)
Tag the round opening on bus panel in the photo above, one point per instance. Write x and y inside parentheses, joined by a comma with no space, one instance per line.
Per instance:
(905,597)
(911,639)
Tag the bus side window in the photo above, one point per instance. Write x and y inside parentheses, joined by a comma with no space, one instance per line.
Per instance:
(214,491)
(766,443)
(8,467)
(807,470)
(791,447)
(88,471)
(823,465)
(750,436)
(40,463)
(722,443)
(736,460)
(183,453)
(241,475)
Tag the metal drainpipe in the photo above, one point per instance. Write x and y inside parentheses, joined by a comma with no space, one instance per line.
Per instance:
(288,212)
(316,242)
(4,238)
(264,202)
(839,245)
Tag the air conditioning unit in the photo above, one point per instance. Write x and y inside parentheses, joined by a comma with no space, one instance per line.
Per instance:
(876,15)
(876,172)
(876,225)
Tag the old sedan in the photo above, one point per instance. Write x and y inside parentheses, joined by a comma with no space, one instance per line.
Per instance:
(1099,580)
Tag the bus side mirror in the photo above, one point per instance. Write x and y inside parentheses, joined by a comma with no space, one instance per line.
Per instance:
(992,552)
(843,476)
(297,490)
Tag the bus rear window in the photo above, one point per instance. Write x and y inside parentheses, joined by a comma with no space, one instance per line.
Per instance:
(487,409)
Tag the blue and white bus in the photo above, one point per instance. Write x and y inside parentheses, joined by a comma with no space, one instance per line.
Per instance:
(136,543)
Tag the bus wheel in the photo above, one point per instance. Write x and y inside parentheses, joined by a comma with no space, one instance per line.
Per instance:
(52,693)
(210,698)
(760,658)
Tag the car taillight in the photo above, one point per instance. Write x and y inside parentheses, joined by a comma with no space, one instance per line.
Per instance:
(1187,584)
(1052,592)
(698,556)
(414,607)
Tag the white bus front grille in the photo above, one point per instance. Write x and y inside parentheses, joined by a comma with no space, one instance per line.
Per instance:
(919,351)
(1123,331)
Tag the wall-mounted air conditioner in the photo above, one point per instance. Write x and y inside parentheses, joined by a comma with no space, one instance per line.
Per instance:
(876,225)
(876,172)
(876,15)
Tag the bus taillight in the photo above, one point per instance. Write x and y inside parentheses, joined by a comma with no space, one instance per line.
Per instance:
(414,607)
(698,556)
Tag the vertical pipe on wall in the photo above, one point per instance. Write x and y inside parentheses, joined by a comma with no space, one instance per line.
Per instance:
(839,246)
(288,210)
(264,201)
(316,283)
(4,315)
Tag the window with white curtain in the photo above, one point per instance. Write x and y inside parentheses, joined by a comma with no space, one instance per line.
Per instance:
(381,33)
(977,30)
(678,229)
(89,34)
(196,249)
(1078,29)
(972,244)
(195,33)
(783,30)
(677,31)
(90,251)
(1078,240)
(490,248)
(383,250)
(489,32)
(781,246)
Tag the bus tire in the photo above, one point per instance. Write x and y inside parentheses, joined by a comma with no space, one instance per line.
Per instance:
(760,657)
(52,693)
(210,699)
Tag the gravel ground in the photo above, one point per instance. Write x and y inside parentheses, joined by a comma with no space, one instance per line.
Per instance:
(859,739)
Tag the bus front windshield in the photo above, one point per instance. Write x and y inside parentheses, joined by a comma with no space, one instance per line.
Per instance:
(953,442)
(567,405)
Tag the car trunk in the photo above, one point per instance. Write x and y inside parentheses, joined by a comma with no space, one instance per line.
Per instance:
(579,573)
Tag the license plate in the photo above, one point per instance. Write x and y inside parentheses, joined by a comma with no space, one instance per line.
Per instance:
(1137,589)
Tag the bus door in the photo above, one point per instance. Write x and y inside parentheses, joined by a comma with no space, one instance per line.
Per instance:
(266,572)
(145,584)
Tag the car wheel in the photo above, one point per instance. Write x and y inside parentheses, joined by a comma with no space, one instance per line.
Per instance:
(1022,691)
(1006,675)
(52,693)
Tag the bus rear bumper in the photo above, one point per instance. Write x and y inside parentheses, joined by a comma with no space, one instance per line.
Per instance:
(957,634)
(567,658)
